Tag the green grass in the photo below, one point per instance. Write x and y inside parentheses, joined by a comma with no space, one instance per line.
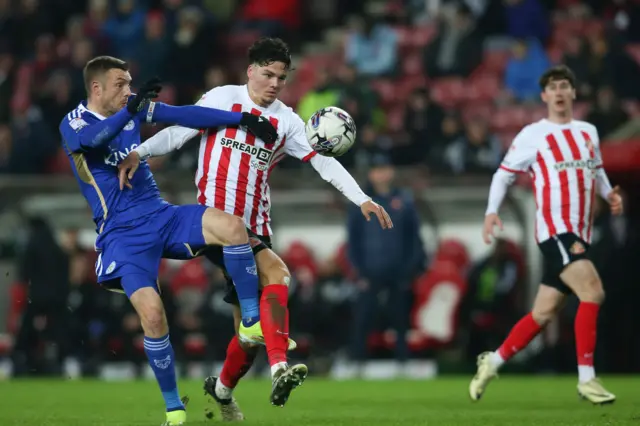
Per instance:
(512,401)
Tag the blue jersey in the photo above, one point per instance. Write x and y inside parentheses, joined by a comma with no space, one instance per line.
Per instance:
(96,170)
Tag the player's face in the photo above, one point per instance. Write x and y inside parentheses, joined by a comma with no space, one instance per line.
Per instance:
(116,89)
(266,82)
(559,96)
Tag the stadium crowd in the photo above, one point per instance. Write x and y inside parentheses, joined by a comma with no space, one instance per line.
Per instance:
(440,85)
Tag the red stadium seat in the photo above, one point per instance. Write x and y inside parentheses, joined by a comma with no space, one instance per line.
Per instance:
(438,295)
(18,298)
(454,251)
(448,91)
(483,88)
(412,64)
(495,62)
(195,344)
(423,34)
(191,275)
(385,89)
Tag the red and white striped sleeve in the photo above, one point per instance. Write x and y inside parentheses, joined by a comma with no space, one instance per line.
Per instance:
(519,158)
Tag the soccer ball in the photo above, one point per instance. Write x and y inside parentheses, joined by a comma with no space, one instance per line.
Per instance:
(331,132)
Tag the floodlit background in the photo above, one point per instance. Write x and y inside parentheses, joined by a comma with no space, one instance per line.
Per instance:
(438,89)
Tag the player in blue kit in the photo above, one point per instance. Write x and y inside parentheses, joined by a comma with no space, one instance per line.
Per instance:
(135,226)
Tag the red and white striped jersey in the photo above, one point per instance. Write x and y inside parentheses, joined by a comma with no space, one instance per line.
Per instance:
(563,160)
(234,166)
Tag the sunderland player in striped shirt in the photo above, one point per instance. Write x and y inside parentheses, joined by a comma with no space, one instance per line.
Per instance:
(562,155)
(137,227)
(232,176)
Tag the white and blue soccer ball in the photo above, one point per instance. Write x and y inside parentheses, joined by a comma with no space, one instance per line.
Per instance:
(331,131)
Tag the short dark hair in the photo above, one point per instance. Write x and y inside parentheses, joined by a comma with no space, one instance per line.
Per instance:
(100,65)
(268,50)
(559,72)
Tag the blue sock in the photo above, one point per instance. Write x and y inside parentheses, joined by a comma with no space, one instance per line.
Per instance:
(241,265)
(161,359)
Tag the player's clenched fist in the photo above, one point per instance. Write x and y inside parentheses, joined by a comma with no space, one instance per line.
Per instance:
(127,168)
(149,90)
(490,222)
(259,126)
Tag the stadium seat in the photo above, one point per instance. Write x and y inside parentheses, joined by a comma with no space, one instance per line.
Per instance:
(438,295)
(633,49)
(385,89)
(195,345)
(448,92)
(412,64)
(191,275)
(494,62)
(454,251)
(483,88)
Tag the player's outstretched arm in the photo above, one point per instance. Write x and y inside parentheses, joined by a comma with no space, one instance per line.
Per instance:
(78,135)
(333,172)
(197,117)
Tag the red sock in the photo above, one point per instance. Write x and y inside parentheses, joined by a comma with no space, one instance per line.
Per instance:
(585,328)
(236,364)
(519,337)
(274,317)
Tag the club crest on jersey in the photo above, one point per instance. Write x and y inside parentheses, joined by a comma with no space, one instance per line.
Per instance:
(260,156)
(577,248)
(130,125)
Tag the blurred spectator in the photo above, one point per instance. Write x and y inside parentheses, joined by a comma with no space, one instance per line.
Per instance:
(527,63)
(386,261)
(216,317)
(56,101)
(457,50)
(527,19)
(125,28)
(323,95)
(370,145)
(153,49)
(86,324)
(451,130)
(33,143)
(215,77)
(609,64)
(477,151)
(492,299)
(32,20)
(372,47)
(576,57)
(423,124)
(607,113)
(44,267)
(357,97)
(7,71)
(189,53)
(81,53)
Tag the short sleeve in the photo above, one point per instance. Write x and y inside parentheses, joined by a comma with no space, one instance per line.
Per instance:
(521,154)
(70,127)
(297,144)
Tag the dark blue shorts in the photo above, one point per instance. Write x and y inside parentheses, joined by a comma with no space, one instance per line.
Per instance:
(174,232)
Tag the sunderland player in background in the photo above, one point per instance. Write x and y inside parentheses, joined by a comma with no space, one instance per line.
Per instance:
(233,173)
(562,155)
(137,227)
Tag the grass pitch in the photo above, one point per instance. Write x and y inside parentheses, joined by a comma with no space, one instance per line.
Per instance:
(510,401)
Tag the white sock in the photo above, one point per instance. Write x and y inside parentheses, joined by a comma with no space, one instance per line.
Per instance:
(586,373)
(496,359)
(222,391)
(278,366)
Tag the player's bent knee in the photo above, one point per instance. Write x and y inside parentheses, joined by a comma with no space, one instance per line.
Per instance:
(224,229)
(277,275)
(150,309)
